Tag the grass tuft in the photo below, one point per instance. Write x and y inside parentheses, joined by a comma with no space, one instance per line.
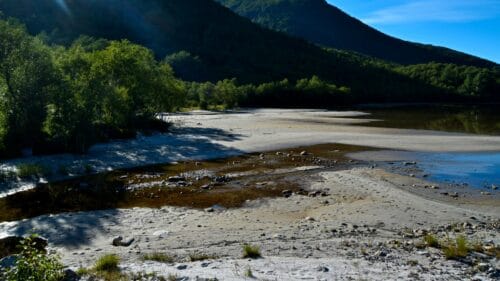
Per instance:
(249,273)
(251,251)
(454,250)
(201,257)
(158,257)
(431,241)
(108,263)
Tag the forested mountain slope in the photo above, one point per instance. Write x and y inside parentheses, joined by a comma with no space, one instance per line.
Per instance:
(321,23)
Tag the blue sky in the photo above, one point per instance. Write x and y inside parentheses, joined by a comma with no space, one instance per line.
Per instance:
(471,26)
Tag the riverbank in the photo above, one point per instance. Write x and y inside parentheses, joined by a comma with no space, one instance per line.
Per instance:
(356,221)
(204,135)
(363,226)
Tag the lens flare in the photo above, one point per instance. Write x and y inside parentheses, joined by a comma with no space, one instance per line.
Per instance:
(62,4)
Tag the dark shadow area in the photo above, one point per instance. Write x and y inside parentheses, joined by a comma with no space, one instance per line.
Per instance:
(211,133)
(67,230)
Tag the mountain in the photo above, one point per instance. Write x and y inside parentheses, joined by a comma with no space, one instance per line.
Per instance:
(227,44)
(326,25)
(205,41)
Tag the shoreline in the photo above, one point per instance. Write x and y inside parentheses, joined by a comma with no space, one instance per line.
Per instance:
(205,135)
(358,220)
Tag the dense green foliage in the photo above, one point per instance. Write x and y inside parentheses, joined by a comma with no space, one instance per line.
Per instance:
(33,264)
(207,42)
(311,92)
(66,99)
(453,79)
(319,22)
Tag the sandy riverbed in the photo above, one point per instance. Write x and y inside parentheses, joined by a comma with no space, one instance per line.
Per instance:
(366,228)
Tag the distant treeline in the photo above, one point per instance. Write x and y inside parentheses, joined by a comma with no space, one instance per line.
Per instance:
(66,98)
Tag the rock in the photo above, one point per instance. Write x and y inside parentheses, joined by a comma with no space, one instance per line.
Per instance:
(304,153)
(176,179)
(118,242)
(485,193)
(182,267)
(287,193)
(410,163)
(494,187)
(323,269)
(161,233)
(314,193)
(205,186)
(222,179)
(434,187)
(483,267)
(70,275)
(309,219)
(209,210)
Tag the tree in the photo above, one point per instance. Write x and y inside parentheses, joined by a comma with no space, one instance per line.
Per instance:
(26,75)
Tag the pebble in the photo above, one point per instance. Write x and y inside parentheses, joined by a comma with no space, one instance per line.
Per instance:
(182,267)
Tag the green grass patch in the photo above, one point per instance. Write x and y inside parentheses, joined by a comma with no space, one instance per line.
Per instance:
(251,251)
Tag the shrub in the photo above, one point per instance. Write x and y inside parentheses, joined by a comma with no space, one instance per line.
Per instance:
(250,251)
(34,264)
(108,263)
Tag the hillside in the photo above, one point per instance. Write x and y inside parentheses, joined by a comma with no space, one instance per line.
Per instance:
(321,23)
(226,44)
(203,41)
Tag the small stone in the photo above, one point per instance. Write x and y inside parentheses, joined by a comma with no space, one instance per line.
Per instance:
(323,269)
(205,186)
(309,219)
(118,242)
(304,153)
(494,187)
(287,193)
(209,210)
(483,267)
(182,267)
(176,179)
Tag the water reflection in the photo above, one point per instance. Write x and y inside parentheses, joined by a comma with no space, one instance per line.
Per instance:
(484,119)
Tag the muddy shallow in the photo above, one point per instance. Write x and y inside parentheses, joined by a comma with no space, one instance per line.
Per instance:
(225,183)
